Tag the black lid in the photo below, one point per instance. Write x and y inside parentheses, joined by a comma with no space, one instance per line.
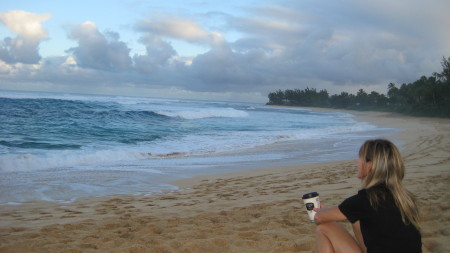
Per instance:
(310,195)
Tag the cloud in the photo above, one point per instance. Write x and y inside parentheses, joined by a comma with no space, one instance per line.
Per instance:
(174,28)
(99,51)
(158,54)
(343,44)
(25,47)
(185,30)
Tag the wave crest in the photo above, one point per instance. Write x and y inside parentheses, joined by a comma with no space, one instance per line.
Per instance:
(39,145)
(206,113)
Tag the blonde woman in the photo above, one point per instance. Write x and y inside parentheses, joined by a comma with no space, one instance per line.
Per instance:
(384,215)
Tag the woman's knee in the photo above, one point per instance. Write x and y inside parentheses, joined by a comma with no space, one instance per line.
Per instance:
(331,229)
(337,236)
(324,228)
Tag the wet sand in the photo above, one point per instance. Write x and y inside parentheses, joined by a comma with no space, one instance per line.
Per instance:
(253,211)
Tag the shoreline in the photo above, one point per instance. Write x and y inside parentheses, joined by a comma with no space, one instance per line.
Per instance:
(253,211)
(150,174)
(402,136)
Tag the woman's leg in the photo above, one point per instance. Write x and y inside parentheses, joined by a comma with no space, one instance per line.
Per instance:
(331,237)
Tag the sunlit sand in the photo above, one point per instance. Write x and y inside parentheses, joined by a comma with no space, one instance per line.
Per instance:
(253,211)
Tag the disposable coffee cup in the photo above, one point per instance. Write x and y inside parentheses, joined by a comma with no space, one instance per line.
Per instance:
(311,201)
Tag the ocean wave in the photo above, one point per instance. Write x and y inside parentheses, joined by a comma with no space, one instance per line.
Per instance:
(39,145)
(78,159)
(168,155)
(205,113)
(90,144)
(66,159)
(121,115)
(155,148)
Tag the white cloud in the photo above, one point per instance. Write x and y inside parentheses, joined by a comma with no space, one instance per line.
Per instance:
(27,26)
(185,30)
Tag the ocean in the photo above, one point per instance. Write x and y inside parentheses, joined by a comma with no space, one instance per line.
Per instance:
(59,147)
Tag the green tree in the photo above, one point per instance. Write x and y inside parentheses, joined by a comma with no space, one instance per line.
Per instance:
(343,100)
(362,98)
(323,98)
(276,98)
(425,96)
(292,97)
(377,99)
(445,74)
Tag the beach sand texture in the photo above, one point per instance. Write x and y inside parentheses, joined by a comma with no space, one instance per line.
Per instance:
(253,211)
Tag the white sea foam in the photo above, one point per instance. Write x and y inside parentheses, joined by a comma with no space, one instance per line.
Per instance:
(206,113)
(190,145)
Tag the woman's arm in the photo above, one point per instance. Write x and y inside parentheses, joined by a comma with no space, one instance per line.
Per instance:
(359,238)
(328,214)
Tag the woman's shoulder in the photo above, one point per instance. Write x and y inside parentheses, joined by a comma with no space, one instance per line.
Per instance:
(360,197)
(380,196)
(365,194)
(362,193)
(379,189)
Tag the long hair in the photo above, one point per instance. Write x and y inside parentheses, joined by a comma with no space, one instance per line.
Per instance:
(388,170)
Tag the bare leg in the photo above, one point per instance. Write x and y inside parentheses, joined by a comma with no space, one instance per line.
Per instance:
(331,237)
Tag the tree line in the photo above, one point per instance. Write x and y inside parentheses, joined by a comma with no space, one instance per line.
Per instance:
(428,96)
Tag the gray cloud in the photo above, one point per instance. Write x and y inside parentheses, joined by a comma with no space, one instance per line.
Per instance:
(158,54)
(293,45)
(19,50)
(314,45)
(98,51)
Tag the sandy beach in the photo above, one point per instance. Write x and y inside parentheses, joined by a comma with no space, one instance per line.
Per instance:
(253,211)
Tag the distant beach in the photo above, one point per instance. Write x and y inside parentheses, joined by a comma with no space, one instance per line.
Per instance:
(252,211)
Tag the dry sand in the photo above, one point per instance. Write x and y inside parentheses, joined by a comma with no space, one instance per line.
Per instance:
(254,211)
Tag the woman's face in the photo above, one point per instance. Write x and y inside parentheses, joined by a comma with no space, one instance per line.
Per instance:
(360,165)
(363,168)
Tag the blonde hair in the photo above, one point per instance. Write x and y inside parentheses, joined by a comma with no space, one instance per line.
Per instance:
(387,169)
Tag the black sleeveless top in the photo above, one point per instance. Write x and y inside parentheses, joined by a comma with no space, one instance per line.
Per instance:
(382,228)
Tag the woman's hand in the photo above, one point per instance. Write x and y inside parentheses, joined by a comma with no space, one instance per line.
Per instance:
(318,209)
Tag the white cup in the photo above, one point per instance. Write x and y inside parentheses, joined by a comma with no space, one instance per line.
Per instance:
(311,201)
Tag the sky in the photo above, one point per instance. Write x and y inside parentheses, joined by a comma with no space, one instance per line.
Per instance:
(219,50)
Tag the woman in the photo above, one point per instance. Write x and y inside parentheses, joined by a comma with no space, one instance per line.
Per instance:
(384,215)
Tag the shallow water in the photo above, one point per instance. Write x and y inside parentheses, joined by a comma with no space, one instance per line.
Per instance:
(59,147)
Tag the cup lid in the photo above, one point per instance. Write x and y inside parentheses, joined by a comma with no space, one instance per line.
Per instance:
(310,195)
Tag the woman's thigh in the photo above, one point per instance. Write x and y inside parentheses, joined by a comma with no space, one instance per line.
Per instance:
(337,237)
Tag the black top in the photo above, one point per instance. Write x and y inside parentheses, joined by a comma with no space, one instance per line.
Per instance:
(382,228)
